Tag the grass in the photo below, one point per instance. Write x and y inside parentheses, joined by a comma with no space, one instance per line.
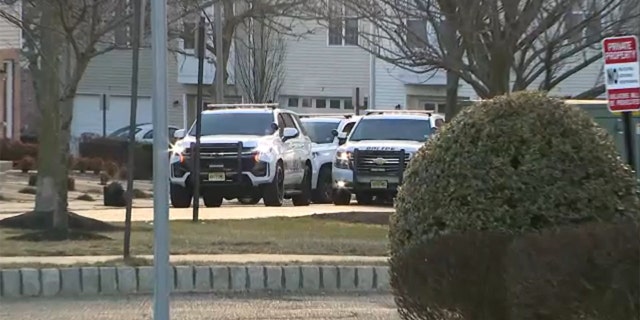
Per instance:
(279,235)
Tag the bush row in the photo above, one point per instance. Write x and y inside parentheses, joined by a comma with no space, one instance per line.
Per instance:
(96,155)
(584,272)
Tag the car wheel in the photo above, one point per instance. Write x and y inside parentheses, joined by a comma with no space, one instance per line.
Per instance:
(304,198)
(273,193)
(364,198)
(211,199)
(181,197)
(341,197)
(324,190)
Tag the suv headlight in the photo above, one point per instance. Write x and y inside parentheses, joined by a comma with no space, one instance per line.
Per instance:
(343,159)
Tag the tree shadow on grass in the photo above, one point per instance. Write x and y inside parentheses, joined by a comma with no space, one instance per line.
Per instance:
(376,218)
(80,228)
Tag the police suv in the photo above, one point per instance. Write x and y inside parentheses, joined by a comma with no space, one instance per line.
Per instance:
(246,150)
(371,162)
(327,132)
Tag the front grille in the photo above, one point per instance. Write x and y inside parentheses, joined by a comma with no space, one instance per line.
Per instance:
(380,162)
(214,150)
(226,164)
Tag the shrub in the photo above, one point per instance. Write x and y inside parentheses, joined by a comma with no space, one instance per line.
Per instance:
(117,150)
(512,165)
(14,150)
(33,180)
(114,195)
(71,184)
(516,163)
(110,168)
(95,165)
(85,197)
(27,164)
(82,165)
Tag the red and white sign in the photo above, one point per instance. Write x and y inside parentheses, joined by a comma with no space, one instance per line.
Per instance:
(622,73)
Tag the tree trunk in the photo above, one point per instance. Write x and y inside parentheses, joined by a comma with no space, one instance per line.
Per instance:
(452,108)
(48,100)
(499,74)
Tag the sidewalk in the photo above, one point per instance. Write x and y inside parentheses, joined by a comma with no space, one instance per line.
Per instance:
(215,258)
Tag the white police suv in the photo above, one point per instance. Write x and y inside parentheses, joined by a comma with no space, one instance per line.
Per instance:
(246,150)
(326,131)
(371,162)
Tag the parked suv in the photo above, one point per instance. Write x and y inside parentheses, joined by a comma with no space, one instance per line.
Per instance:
(371,162)
(245,151)
(326,131)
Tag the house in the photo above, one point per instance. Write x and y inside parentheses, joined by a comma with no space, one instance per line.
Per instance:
(10,72)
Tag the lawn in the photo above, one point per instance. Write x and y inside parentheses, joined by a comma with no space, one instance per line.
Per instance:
(304,235)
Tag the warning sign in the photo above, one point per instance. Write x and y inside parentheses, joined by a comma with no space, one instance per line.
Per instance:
(622,73)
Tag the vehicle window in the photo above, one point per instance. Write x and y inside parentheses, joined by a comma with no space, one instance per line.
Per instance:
(240,123)
(347,127)
(149,135)
(172,131)
(288,121)
(123,132)
(320,132)
(439,123)
(299,124)
(392,129)
(281,124)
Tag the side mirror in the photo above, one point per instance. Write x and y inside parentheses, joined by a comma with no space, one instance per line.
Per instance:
(334,132)
(274,127)
(179,134)
(342,135)
(289,133)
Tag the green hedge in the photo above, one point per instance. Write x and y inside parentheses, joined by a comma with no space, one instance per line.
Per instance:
(117,151)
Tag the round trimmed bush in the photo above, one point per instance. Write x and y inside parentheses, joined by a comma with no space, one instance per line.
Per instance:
(515,163)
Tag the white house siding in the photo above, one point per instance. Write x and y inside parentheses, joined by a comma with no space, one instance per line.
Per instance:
(10,34)
(316,70)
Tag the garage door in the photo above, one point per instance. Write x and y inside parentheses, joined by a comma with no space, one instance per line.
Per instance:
(89,117)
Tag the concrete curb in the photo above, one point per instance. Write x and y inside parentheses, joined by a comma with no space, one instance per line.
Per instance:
(29,282)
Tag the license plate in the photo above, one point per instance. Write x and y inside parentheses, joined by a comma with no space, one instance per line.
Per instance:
(217,176)
(378,184)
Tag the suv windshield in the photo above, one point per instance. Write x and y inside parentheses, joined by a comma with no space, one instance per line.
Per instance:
(235,123)
(392,129)
(320,131)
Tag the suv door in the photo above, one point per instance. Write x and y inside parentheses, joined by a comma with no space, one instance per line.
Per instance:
(296,145)
(303,149)
(288,154)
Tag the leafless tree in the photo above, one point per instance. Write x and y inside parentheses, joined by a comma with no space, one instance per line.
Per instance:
(496,46)
(259,60)
(61,37)
(276,15)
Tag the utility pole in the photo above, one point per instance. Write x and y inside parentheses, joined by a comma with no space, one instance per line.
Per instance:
(220,67)
(200,46)
(159,44)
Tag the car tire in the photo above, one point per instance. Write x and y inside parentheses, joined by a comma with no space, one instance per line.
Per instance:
(341,197)
(273,192)
(324,189)
(181,197)
(304,197)
(249,200)
(211,199)
(364,199)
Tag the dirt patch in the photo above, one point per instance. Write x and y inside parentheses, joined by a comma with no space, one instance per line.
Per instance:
(377,218)
(42,220)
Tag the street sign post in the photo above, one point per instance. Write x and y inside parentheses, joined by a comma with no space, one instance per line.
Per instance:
(622,80)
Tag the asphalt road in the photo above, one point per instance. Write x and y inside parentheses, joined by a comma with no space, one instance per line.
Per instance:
(205,306)
(229,210)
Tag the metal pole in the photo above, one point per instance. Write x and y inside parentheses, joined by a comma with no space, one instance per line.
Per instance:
(372,71)
(196,150)
(628,139)
(135,61)
(160,160)
(220,68)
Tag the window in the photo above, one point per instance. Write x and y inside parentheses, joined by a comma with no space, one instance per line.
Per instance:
(288,121)
(235,123)
(334,104)
(347,127)
(348,104)
(321,103)
(431,106)
(583,24)
(306,103)
(293,102)
(366,103)
(298,122)
(320,131)
(343,26)
(188,36)
(149,135)
(416,34)
(392,129)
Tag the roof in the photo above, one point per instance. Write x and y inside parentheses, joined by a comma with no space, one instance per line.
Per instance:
(322,119)
(398,116)
(239,110)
